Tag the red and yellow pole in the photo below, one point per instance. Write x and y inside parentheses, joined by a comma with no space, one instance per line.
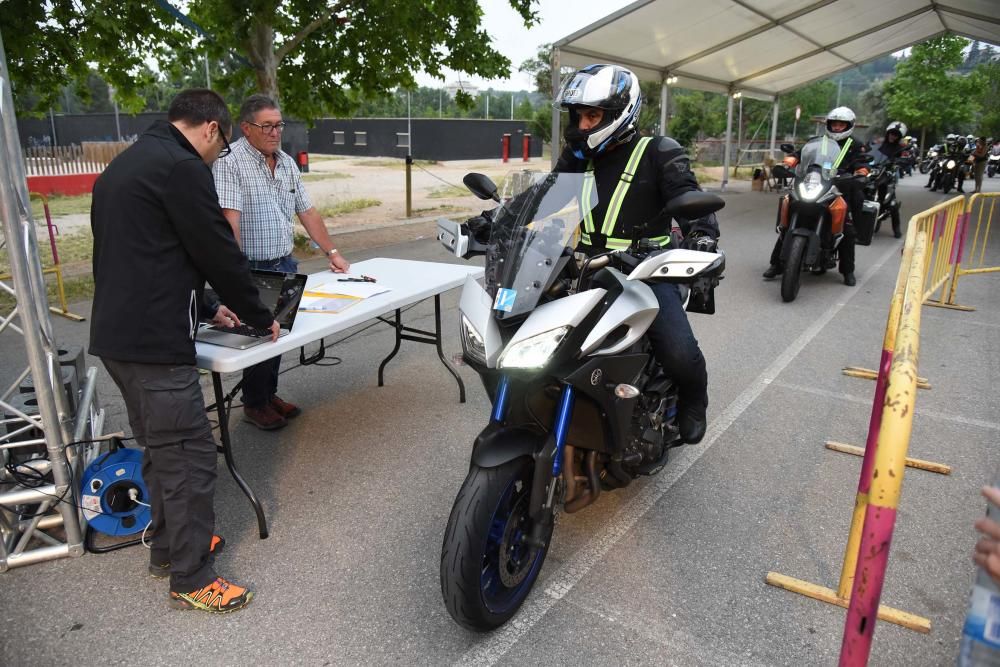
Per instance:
(887,472)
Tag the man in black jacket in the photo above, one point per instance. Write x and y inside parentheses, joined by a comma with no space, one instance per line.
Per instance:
(159,234)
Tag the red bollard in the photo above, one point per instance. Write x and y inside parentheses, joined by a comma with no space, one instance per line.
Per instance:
(505,148)
(303,162)
(526,147)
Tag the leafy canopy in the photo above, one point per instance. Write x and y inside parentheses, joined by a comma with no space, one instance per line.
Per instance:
(925,92)
(318,57)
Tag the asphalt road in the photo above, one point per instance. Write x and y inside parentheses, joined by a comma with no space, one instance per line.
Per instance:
(668,572)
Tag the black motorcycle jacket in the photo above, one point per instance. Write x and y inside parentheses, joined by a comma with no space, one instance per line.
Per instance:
(890,151)
(663,172)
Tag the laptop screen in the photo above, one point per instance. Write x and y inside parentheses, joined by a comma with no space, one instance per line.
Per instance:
(281,293)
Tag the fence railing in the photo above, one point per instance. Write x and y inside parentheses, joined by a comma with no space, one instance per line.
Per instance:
(91,157)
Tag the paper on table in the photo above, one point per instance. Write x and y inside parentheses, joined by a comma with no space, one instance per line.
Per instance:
(319,302)
(350,288)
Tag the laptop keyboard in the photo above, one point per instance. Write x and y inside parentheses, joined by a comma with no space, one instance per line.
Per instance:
(246,330)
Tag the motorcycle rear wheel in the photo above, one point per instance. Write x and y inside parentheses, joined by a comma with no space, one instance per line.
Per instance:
(486,570)
(793,267)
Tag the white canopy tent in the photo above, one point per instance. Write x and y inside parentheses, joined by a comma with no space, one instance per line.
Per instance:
(762,48)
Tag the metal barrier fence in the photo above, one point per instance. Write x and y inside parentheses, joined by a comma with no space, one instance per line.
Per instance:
(981,210)
(56,268)
(932,253)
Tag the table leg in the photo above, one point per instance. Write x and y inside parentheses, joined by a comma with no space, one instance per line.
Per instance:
(397,324)
(437,342)
(227,450)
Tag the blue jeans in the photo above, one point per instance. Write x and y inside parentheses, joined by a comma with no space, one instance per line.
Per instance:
(675,346)
(260,382)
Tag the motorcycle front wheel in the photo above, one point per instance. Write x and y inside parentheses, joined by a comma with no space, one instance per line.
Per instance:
(793,267)
(486,569)
(990,171)
(946,186)
(924,168)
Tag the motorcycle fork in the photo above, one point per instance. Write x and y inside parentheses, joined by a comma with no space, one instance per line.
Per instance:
(548,466)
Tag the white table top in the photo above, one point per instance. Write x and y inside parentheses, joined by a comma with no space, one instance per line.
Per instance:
(409,281)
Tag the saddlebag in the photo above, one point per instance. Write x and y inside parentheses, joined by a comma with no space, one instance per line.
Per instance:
(865,227)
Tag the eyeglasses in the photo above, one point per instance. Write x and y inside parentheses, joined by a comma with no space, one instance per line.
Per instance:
(226,148)
(268,128)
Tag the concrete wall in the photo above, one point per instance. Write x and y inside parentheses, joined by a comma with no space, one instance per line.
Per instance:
(433,138)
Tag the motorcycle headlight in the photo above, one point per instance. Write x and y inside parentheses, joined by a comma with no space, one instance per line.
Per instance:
(472,341)
(950,164)
(811,186)
(533,352)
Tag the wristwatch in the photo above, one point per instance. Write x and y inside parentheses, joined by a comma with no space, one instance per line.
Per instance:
(331,252)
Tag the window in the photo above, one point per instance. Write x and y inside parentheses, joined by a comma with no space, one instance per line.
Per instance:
(402,140)
(338,138)
(360,138)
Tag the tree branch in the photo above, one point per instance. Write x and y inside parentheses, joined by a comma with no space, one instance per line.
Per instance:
(309,29)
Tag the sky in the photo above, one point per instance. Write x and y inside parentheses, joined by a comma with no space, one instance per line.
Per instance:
(557,19)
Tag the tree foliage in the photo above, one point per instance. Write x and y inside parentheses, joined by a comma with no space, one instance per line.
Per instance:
(925,92)
(318,57)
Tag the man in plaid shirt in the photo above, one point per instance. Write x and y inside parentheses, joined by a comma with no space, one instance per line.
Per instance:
(259,190)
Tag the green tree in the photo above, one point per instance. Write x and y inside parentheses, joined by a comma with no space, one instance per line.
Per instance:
(985,87)
(696,115)
(816,99)
(317,56)
(925,94)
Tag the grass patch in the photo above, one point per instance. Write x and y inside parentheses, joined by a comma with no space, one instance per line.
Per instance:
(318,157)
(325,176)
(704,176)
(448,191)
(347,206)
(437,209)
(303,246)
(60,205)
(78,288)
(73,248)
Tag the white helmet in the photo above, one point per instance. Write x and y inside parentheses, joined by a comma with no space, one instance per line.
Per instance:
(611,88)
(896,126)
(842,114)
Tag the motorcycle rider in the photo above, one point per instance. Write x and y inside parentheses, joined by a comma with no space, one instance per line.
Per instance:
(839,126)
(954,146)
(891,148)
(634,178)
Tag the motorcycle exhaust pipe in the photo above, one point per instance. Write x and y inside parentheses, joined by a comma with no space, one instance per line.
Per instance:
(593,493)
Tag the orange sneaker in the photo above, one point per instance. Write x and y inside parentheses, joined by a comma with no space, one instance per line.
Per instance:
(162,570)
(219,597)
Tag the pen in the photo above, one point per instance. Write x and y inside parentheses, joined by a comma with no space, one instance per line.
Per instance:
(362,279)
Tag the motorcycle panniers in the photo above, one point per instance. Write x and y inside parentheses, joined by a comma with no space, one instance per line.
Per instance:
(865,227)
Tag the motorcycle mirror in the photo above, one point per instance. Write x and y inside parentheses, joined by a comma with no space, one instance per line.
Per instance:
(694,204)
(787,148)
(481,186)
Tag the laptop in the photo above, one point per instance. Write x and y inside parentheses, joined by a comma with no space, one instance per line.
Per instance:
(281,292)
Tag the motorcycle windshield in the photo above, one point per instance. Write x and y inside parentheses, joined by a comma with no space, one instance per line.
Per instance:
(821,153)
(534,234)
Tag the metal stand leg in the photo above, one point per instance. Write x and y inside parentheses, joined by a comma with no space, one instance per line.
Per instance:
(420,336)
(227,450)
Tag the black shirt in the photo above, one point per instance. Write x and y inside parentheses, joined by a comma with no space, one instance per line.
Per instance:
(159,234)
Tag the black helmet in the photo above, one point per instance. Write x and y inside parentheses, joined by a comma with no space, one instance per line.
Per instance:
(611,88)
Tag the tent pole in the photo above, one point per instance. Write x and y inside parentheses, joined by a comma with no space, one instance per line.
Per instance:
(555,108)
(774,125)
(664,103)
(729,139)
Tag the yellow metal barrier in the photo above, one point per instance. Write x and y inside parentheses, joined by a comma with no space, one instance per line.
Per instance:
(56,267)
(980,212)
(911,280)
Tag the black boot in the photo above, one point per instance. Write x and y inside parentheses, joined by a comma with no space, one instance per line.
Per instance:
(849,279)
(692,420)
(773,271)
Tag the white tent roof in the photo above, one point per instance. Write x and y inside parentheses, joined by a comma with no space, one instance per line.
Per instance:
(767,47)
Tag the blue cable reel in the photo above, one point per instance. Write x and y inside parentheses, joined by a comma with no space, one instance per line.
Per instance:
(105,493)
